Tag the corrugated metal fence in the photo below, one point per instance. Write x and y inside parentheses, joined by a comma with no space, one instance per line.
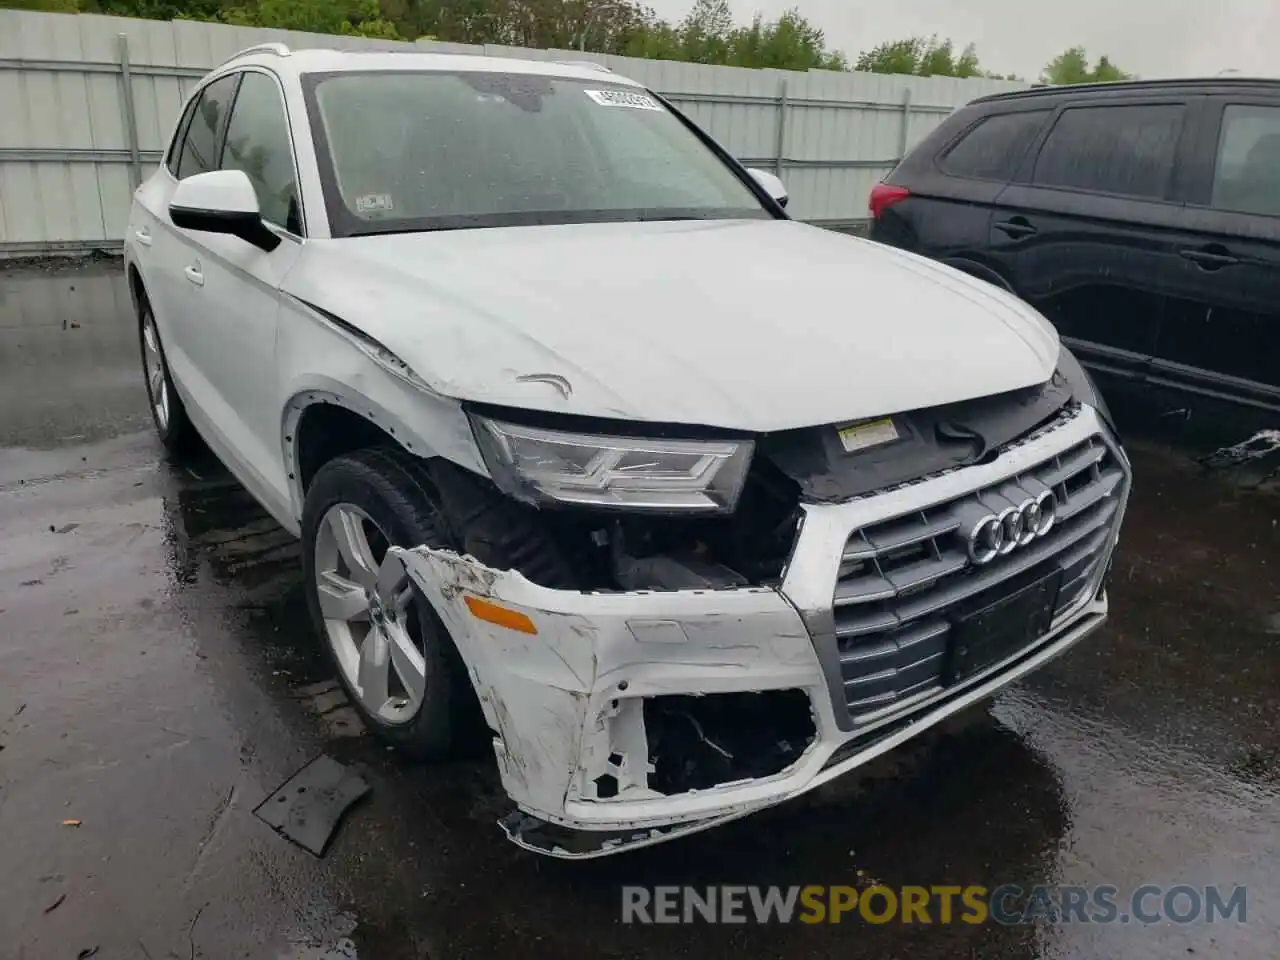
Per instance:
(87,104)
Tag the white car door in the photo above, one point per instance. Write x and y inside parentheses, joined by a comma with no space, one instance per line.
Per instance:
(230,338)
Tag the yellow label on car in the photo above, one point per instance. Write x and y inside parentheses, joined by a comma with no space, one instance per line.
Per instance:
(868,433)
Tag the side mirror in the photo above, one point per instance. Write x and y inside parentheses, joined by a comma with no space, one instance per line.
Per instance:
(221,201)
(772,185)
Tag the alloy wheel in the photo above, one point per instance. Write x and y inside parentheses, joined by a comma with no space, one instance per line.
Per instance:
(366,601)
(153,362)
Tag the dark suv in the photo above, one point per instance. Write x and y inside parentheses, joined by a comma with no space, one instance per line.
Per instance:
(1143,219)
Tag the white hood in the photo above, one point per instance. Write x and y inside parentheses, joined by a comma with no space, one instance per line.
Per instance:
(754,325)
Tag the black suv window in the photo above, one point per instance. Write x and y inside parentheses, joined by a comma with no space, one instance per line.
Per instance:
(202,133)
(1246,176)
(1127,150)
(258,143)
(993,149)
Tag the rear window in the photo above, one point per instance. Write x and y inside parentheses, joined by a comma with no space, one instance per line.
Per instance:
(1246,177)
(1125,150)
(993,149)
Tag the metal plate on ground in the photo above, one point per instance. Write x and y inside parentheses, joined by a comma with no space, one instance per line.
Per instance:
(309,806)
(997,631)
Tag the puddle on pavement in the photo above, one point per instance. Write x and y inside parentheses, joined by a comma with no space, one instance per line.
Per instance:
(344,949)
(70,352)
(214,524)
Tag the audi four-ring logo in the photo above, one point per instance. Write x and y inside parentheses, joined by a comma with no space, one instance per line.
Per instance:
(999,533)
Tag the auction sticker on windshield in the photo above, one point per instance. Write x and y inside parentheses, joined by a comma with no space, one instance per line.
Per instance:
(623,98)
(374,203)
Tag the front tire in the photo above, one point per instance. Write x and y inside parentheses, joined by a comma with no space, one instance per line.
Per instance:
(393,655)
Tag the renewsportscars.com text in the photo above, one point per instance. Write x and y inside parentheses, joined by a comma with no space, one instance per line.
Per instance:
(975,904)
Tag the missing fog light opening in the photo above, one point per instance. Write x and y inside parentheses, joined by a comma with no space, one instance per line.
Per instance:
(606,786)
(699,742)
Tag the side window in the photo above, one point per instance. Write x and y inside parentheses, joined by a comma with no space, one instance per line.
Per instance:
(1246,176)
(258,143)
(202,135)
(1126,150)
(179,135)
(993,149)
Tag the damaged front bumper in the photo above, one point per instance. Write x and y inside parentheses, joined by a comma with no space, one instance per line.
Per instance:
(625,719)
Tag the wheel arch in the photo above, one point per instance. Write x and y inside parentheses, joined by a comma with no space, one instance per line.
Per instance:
(137,286)
(329,419)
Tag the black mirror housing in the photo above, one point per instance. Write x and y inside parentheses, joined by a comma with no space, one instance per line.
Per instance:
(246,225)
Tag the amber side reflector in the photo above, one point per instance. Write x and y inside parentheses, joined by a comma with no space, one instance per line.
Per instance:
(491,612)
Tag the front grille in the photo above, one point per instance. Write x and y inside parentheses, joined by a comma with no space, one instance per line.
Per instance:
(902,580)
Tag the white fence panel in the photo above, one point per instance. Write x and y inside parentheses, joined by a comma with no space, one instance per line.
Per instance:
(73,145)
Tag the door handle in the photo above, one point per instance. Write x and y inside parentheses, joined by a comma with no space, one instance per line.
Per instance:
(194,275)
(143,236)
(1213,257)
(1016,228)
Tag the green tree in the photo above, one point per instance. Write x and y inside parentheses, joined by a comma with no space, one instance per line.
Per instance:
(608,26)
(1072,66)
(651,38)
(359,17)
(153,9)
(705,32)
(788,43)
(605,25)
(895,56)
(708,35)
(940,60)
(921,57)
(43,6)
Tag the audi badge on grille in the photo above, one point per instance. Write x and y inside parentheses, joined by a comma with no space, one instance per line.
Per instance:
(999,533)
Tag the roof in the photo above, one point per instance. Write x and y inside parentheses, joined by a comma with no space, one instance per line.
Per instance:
(325,60)
(1155,86)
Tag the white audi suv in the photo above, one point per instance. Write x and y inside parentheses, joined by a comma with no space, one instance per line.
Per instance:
(682,506)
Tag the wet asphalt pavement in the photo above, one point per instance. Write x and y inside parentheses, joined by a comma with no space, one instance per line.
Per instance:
(158,679)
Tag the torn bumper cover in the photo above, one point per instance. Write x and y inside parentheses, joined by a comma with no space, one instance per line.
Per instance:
(624,719)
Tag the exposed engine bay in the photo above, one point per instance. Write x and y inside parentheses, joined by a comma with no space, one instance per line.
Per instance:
(750,548)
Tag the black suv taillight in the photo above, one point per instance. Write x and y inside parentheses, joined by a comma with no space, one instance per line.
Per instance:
(884,196)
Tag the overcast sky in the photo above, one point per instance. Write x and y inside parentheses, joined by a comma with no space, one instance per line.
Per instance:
(1153,38)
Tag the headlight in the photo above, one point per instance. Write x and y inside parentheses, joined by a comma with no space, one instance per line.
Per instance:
(672,476)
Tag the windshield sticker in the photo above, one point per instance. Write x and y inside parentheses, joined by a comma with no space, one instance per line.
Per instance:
(623,98)
(374,203)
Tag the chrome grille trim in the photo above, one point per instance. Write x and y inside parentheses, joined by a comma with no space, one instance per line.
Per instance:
(864,621)
(898,582)
(878,674)
(885,592)
(850,625)
(902,534)
(1076,463)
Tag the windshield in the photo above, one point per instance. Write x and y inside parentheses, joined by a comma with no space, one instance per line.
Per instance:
(434,150)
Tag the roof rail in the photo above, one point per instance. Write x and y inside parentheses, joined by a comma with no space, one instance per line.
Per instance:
(590,64)
(1042,89)
(279,49)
